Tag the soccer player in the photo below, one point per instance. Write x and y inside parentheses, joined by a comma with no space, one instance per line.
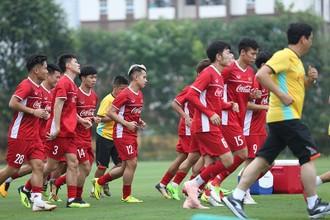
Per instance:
(284,76)
(105,147)
(186,111)
(239,88)
(255,121)
(205,95)
(53,75)
(61,135)
(24,142)
(126,111)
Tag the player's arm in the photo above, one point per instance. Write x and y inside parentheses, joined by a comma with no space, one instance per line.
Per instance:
(256,107)
(178,108)
(112,113)
(86,122)
(263,76)
(15,103)
(58,107)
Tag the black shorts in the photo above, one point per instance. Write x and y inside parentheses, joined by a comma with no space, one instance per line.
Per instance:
(292,133)
(105,149)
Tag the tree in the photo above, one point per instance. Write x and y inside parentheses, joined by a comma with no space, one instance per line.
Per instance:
(27,27)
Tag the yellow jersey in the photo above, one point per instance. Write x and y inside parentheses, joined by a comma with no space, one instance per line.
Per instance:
(105,129)
(290,78)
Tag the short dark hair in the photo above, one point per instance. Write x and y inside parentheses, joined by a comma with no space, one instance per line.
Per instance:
(202,65)
(216,47)
(262,57)
(297,30)
(246,43)
(87,70)
(52,67)
(136,68)
(34,60)
(64,59)
(120,80)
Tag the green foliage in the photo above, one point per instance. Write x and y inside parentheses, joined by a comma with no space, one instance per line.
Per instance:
(27,27)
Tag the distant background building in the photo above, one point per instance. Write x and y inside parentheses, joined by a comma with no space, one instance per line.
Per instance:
(114,15)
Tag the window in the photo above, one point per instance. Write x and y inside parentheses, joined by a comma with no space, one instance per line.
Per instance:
(103,7)
(190,2)
(213,2)
(250,4)
(129,6)
(160,3)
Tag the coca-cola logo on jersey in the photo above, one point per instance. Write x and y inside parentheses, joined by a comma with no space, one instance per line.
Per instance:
(87,113)
(244,89)
(48,108)
(37,104)
(218,92)
(136,110)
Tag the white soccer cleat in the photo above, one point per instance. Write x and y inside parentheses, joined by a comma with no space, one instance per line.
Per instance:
(43,207)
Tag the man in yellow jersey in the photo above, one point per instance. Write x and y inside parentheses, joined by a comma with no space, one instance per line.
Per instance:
(105,147)
(284,76)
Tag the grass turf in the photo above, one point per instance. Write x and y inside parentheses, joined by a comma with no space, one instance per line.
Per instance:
(275,206)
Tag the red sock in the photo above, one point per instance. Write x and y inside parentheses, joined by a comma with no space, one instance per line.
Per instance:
(48,177)
(60,181)
(166,178)
(15,176)
(79,192)
(104,179)
(192,177)
(201,187)
(72,192)
(127,190)
(179,176)
(212,170)
(36,189)
(28,185)
(223,175)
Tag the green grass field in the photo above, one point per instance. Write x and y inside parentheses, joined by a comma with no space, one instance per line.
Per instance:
(280,206)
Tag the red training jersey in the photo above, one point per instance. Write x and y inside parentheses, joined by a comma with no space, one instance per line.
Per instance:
(65,89)
(25,125)
(239,83)
(129,105)
(188,108)
(255,121)
(86,106)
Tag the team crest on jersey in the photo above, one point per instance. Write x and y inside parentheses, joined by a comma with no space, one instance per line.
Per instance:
(36,92)
(217,81)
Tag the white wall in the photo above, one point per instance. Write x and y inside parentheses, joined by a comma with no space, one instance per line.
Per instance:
(165,13)
(212,11)
(140,9)
(89,10)
(238,7)
(264,7)
(116,9)
(298,5)
(71,10)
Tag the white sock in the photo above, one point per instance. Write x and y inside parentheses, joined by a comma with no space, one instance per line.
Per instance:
(175,184)
(311,201)
(92,190)
(37,199)
(198,180)
(238,194)
(161,185)
(318,181)
(9,180)
(70,199)
(25,190)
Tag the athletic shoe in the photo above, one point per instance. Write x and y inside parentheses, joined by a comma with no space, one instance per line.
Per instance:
(131,199)
(249,201)
(45,191)
(320,209)
(226,192)
(173,191)
(4,189)
(210,200)
(53,190)
(188,204)
(97,188)
(50,199)
(163,191)
(77,203)
(235,206)
(25,197)
(44,207)
(192,190)
(106,190)
(214,191)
